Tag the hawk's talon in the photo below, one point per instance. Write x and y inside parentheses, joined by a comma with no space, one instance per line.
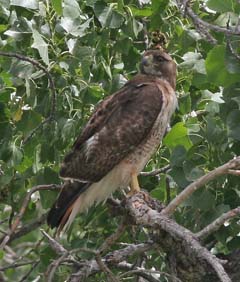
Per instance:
(134,185)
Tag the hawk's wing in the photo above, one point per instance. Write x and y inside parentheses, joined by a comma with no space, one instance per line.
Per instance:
(118,125)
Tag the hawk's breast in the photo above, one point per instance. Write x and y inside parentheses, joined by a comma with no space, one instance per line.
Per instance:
(136,161)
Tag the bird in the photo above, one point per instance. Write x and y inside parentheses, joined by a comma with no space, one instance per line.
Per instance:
(122,134)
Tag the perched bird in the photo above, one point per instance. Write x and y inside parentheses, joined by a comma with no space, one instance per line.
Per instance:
(123,132)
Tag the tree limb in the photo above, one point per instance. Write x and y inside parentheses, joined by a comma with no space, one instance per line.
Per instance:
(216,224)
(28,228)
(227,168)
(145,215)
(202,26)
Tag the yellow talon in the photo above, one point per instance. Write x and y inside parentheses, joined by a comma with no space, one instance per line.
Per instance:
(134,185)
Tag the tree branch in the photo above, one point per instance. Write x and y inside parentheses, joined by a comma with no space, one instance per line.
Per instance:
(228,168)
(15,265)
(28,228)
(144,215)
(201,25)
(155,171)
(113,238)
(145,273)
(216,224)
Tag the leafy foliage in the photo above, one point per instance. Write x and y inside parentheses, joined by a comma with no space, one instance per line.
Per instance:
(91,48)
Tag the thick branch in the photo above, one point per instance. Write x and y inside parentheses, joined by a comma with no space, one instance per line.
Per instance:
(144,215)
(228,168)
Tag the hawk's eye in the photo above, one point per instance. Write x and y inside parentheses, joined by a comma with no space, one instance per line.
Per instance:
(160,59)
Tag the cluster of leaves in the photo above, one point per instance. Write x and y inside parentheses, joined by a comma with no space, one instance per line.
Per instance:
(91,48)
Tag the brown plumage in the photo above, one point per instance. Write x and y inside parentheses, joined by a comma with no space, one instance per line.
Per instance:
(118,140)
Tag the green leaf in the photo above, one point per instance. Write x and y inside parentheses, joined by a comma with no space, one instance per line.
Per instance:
(159,192)
(216,68)
(178,156)
(233,124)
(71,9)
(202,199)
(68,129)
(107,15)
(41,46)
(143,12)
(178,135)
(185,104)
(29,4)
(75,26)
(232,64)
(193,174)
(159,5)
(17,155)
(221,5)
(57,6)
(29,121)
(22,69)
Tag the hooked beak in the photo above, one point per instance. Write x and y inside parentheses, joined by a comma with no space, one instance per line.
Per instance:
(147,60)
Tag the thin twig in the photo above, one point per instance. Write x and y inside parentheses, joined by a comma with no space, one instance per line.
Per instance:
(145,273)
(53,267)
(227,168)
(113,237)
(105,269)
(155,171)
(24,278)
(23,208)
(15,265)
(55,245)
(48,119)
(216,224)
(91,267)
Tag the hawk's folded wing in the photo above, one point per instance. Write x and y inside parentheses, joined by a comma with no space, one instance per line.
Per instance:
(119,124)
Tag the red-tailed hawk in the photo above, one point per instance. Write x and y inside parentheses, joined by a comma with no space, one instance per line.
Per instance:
(118,140)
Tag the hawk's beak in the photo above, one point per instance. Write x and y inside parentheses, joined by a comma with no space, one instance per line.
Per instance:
(147,60)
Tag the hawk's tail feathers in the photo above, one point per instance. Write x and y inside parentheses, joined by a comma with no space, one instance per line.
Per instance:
(61,214)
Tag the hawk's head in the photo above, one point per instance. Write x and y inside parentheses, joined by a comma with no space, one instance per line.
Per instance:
(160,64)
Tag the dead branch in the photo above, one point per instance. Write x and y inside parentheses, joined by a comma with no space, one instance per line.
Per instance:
(216,224)
(228,168)
(4,240)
